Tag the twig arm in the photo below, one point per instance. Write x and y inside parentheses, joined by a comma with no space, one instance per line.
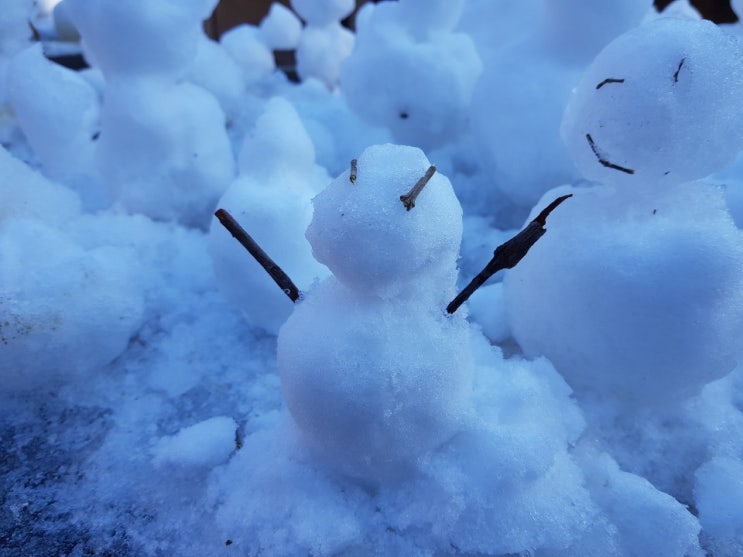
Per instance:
(270,266)
(508,254)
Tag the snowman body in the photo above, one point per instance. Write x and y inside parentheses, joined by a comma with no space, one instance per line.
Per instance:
(372,370)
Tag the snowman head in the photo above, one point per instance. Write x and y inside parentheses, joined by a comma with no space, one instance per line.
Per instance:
(660,105)
(369,239)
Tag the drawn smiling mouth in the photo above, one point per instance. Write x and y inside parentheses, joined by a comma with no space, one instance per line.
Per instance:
(603,160)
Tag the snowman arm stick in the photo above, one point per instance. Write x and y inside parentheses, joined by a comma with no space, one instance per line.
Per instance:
(270,266)
(508,254)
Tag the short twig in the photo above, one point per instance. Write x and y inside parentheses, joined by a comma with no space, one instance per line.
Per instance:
(676,73)
(508,254)
(602,160)
(409,199)
(274,271)
(352,176)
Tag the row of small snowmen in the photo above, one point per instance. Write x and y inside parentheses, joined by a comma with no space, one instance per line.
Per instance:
(635,293)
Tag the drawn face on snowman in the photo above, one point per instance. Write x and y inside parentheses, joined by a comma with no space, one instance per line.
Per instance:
(367,238)
(658,105)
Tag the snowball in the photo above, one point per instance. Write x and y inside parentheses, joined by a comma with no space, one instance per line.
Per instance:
(629,119)
(280,29)
(634,296)
(719,499)
(373,384)
(367,238)
(322,12)
(391,80)
(206,443)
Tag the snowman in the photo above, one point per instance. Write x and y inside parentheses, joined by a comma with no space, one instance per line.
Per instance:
(404,51)
(163,149)
(324,43)
(373,371)
(277,179)
(636,295)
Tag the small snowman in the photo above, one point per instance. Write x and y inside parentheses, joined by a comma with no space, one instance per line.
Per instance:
(404,52)
(163,149)
(277,179)
(372,370)
(324,42)
(637,293)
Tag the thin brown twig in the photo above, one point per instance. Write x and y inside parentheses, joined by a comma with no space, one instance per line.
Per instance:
(270,266)
(508,254)
(409,199)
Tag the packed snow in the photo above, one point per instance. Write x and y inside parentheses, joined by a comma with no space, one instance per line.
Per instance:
(161,395)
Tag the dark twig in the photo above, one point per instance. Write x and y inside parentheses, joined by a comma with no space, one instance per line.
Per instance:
(603,161)
(676,73)
(275,272)
(609,80)
(508,254)
(35,35)
(409,199)
(352,176)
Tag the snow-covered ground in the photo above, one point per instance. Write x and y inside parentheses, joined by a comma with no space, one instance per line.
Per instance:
(160,395)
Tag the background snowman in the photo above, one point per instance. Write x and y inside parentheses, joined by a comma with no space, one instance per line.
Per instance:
(643,126)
